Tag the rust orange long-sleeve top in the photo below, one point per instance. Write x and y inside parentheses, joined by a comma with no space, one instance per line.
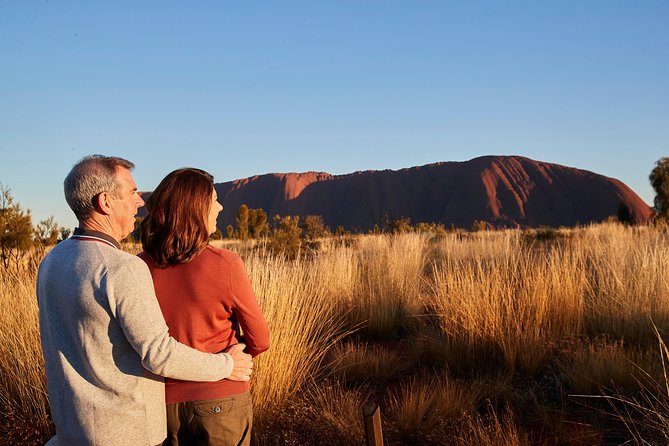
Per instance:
(204,303)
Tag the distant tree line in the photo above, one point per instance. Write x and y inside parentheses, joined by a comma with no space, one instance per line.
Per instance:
(285,234)
(17,234)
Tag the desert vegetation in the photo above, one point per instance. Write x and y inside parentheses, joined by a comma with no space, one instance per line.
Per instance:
(514,337)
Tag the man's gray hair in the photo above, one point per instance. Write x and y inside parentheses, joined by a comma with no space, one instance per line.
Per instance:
(91,176)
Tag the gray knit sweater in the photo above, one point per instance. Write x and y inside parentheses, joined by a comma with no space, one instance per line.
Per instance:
(105,341)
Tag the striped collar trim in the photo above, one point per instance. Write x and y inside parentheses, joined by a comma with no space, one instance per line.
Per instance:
(96,236)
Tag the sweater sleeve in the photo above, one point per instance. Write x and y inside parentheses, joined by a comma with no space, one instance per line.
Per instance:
(133,302)
(247,310)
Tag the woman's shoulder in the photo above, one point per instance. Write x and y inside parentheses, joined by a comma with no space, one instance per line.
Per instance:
(147,259)
(222,253)
(224,259)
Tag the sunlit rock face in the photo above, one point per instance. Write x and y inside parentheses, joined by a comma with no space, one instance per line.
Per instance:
(506,191)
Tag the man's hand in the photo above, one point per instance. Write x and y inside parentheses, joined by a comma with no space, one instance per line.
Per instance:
(243,363)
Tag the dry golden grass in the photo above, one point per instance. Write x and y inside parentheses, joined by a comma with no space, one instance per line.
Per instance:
(628,282)
(304,321)
(603,364)
(23,397)
(340,409)
(418,323)
(510,304)
(496,430)
(389,283)
(640,397)
(419,410)
(326,413)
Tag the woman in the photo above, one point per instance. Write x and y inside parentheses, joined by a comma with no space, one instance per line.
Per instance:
(206,297)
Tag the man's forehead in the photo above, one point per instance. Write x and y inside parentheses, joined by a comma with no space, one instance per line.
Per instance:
(125,176)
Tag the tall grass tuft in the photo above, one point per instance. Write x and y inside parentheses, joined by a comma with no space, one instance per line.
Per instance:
(304,322)
(338,408)
(390,283)
(507,305)
(628,271)
(603,364)
(23,396)
(419,410)
(492,430)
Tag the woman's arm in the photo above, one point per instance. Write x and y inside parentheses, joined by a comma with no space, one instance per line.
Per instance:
(247,310)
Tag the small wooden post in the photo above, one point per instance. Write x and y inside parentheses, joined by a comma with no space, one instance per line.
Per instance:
(372,417)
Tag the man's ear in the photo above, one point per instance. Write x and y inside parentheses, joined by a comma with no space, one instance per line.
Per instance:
(102,203)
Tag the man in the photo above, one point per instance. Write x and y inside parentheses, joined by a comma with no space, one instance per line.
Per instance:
(103,335)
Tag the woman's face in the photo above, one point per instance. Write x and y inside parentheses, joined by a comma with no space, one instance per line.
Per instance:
(214,210)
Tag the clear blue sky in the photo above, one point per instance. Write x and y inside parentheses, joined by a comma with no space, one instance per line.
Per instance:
(247,87)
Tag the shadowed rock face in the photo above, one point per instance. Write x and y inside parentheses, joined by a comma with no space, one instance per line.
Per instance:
(504,190)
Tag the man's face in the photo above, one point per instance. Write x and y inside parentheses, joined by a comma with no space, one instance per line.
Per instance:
(125,203)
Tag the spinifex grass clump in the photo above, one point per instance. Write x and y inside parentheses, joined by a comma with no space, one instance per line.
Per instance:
(337,407)
(387,295)
(508,306)
(420,410)
(628,282)
(603,364)
(493,429)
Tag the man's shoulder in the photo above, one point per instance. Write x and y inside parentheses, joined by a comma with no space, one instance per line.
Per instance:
(123,259)
(65,251)
(60,247)
(96,252)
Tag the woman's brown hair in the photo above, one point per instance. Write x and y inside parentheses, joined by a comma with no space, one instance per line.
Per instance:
(175,228)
